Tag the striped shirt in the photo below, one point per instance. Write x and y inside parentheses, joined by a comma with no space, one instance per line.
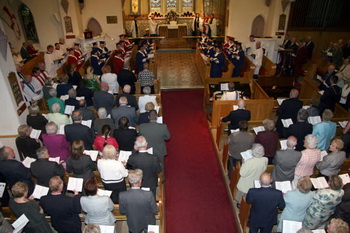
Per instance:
(307,162)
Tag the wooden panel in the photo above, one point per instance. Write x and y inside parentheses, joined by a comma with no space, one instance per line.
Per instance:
(163,31)
(243,214)
(182,31)
(28,67)
(268,66)
(309,90)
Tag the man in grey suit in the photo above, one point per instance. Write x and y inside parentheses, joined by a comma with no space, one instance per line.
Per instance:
(156,134)
(138,205)
(124,111)
(103,98)
(88,114)
(285,161)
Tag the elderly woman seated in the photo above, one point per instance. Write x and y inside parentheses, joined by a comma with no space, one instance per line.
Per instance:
(26,145)
(268,139)
(324,203)
(35,119)
(56,144)
(54,99)
(102,120)
(297,201)
(143,117)
(72,101)
(112,172)
(251,170)
(331,163)
(143,100)
(57,117)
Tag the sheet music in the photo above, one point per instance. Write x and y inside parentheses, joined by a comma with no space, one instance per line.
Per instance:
(283,144)
(319,231)
(343,123)
(61,129)
(44,115)
(224,87)
(157,108)
(153,229)
(106,229)
(69,109)
(323,154)
(314,120)
(306,107)
(345,178)
(101,192)
(124,155)
(2,189)
(258,129)
(40,191)
(28,161)
(234,130)
(160,120)
(321,92)
(75,184)
(80,98)
(283,186)
(280,100)
(319,78)
(235,107)
(291,226)
(150,150)
(287,122)
(64,97)
(55,159)
(92,153)
(35,133)
(88,123)
(257,184)
(20,223)
(319,182)
(247,155)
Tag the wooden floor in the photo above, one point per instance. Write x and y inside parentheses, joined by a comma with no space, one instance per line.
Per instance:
(177,69)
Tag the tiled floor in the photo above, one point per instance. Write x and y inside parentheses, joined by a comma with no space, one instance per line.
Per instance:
(178,70)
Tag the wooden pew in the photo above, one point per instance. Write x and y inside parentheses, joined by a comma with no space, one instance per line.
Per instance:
(267,67)
(345,168)
(243,214)
(225,157)
(270,168)
(234,177)
(28,67)
(156,83)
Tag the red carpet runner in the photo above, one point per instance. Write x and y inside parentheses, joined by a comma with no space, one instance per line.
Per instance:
(195,194)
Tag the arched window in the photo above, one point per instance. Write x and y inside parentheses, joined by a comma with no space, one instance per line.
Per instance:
(155,5)
(95,27)
(187,5)
(258,26)
(28,23)
(171,5)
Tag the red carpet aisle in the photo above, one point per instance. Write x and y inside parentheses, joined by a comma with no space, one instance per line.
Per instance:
(195,194)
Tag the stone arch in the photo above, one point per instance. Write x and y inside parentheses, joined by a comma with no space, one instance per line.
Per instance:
(28,23)
(94,26)
(258,26)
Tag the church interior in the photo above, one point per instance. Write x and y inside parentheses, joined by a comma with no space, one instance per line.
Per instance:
(197,51)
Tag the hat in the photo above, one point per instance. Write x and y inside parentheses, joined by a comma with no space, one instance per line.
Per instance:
(94,50)
(102,42)
(95,43)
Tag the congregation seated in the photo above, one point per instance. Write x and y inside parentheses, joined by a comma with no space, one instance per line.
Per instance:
(125,135)
(26,145)
(138,205)
(83,91)
(251,170)
(325,130)
(87,113)
(285,161)
(43,170)
(101,121)
(21,204)
(74,77)
(56,144)
(111,79)
(130,98)
(124,111)
(300,129)
(143,100)
(268,139)
(104,99)
(297,201)
(35,119)
(64,210)
(57,117)
(112,171)
(144,117)
(91,80)
(236,116)
(54,99)
(72,101)
(331,163)
(105,139)
(98,208)
(63,87)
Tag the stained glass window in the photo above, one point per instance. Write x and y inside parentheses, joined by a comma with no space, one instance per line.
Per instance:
(155,5)
(187,5)
(28,23)
(171,5)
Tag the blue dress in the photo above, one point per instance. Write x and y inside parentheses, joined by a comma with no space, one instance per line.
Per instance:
(217,65)
(238,63)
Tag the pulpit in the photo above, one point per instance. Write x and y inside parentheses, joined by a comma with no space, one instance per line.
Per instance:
(173,30)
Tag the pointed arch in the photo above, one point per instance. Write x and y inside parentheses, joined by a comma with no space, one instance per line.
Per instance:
(94,26)
(28,23)
(258,26)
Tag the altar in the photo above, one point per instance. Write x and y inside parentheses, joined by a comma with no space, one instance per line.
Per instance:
(172,30)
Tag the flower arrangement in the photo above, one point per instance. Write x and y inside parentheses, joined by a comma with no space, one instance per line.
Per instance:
(171,16)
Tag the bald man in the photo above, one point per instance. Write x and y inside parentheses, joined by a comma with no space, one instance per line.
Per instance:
(236,116)
(131,99)
(265,203)
(103,98)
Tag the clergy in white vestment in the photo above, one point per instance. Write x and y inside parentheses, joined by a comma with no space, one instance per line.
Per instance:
(152,26)
(51,62)
(258,57)
(250,46)
(213,25)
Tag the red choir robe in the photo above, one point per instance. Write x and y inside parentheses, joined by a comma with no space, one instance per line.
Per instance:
(118,63)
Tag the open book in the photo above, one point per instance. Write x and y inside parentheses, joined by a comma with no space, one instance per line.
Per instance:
(291,226)
(106,229)
(343,123)
(61,129)
(257,184)
(345,178)
(319,182)
(280,100)
(153,228)
(160,120)
(224,87)
(20,223)
(314,120)
(283,186)
(92,153)
(247,155)
(40,191)
(283,144)
(319,231)
(35,133)
(87,123)
(101,192)
(235,107)
(234,130)
(64,97)
(287,122)
(69,109)
(80,98)
(75,184)
(55,159)
(323,154)
(124,155)
(2,189)
(258,129)
(28,161)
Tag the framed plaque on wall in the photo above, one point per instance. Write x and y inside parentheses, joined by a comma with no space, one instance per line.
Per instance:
(16,90)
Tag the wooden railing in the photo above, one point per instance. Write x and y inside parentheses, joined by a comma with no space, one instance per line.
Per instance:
(268,67)
(28,67)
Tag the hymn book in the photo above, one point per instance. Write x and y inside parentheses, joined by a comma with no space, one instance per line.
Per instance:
(80,98)
(283,186)
(287,122)
(55,159)
(2,189)
(153,229)
(306,107)
(61,129)
(283,144)
(157,108)
(160,120)
(343,123)
(124,155)
(319,182)
(257,184)
(314,120)
(35,134)
(20,223)
(75,184)
(64,97)
(69,109)
(319,231)
(321,92)
(345,178)
(248,154)
(224,87)
(291,226)
(234,130)
(28,161)
(235,107)
(258,129)
(106,229)
(40,191)
(101,192)
(323,154)
(92,153)
(87,123)
(280,100)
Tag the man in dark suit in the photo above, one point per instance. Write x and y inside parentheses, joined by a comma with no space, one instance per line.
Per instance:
(288,109)
(77,131)
(125,76)
(12,170)
(300,129)
(103,98)
(236,116)
(309,47)
(285,161)
(331,96)
(25,53)
(131,99)
(64,210)
(138,205)
(88,114)
(148,163)
(156,135)
(265,203)
(327,77)
(43,169)
(124,111)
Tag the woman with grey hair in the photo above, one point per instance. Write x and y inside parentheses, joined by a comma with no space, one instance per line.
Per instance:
(54,99)
(143,100)
(268,139)
(56,144)
(309,157)
(102,120)
(251,170)
(325,130)
(57,117)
